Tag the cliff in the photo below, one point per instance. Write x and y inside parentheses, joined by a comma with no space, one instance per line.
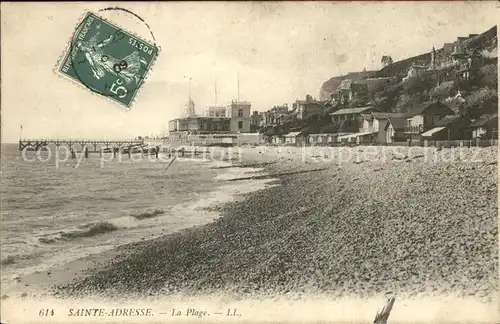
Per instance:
(329,86)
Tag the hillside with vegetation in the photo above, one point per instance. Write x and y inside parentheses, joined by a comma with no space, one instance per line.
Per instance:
(462,75)
(472,98)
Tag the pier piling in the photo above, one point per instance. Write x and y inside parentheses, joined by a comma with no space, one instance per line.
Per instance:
(73,145)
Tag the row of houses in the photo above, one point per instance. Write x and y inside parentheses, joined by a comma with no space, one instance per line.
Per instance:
(454,62)
(301,109)
(430,120)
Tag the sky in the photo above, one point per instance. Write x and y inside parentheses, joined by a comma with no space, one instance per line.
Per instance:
(280,51)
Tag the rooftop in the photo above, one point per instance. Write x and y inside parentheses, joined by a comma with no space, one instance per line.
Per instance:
(447,120)
(345,111)
(397,122)
(385,115)
(313,101)
(484,120)
(420,109)
(237,102)
(200,117)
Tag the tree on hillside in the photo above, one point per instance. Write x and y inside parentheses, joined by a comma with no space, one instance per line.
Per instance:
(407,101)
(456,105)
(384,97)
(483,101)
(487,76)
(416,85)
(443,90)
(358,102)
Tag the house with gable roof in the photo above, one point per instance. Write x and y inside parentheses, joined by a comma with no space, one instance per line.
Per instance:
(424,117)
(485,127)
(449,128)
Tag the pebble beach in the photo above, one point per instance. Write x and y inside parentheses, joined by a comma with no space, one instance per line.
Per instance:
(417,223)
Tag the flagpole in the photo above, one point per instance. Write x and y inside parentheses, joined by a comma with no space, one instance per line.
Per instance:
(216,91)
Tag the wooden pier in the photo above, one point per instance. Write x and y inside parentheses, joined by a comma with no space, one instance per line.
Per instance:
(103,146)
(83,145)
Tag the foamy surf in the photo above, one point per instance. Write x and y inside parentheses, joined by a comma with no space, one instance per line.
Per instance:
(240,172)
(121,226)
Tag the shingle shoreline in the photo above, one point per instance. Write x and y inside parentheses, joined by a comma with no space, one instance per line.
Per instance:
(415,228)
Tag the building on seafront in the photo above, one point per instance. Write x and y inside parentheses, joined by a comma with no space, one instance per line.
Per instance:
(254,121)
(308,108)
(222,125)
(274,116)
(199,125)
(239,114)
(233,118)
(216,111)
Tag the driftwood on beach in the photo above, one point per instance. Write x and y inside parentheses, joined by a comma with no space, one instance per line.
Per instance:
(383,314)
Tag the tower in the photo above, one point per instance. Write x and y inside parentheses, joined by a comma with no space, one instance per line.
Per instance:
(190,107)
(239,112)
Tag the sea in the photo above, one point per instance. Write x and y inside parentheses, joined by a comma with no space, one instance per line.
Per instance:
(54,212)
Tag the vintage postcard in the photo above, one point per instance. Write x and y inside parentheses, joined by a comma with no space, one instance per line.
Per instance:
(249,162)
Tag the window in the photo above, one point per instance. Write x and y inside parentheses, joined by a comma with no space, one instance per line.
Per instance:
(240,125)
(408,122)
(240,113)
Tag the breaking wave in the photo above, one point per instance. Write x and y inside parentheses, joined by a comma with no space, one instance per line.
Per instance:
(92,230)
(148,214)
(87,230)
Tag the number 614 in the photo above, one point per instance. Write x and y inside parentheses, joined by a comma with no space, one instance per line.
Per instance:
(46,312)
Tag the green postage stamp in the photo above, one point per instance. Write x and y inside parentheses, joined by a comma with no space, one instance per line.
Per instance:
(107,59)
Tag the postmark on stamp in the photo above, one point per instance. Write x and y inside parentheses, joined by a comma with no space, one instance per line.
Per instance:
(107,59)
